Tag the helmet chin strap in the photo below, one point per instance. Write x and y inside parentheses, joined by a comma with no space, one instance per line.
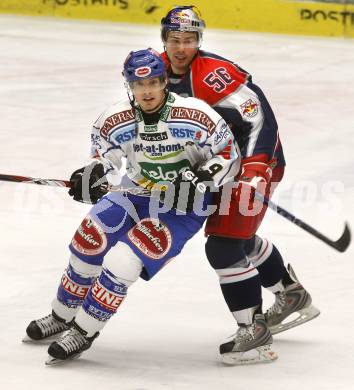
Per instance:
(130,95)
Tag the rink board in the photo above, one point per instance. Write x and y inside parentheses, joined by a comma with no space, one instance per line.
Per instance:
(324,18)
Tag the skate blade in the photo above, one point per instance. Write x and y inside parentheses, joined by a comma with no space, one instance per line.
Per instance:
(48,340)
(304,315)
(51,361)
(263,354)
(27,339)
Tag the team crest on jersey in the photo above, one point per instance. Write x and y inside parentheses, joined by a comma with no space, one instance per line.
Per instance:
(249,108)
(89,239)
(143,71)
(152,237)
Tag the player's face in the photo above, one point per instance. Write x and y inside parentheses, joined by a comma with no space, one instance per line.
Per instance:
(181,47)
(149,93)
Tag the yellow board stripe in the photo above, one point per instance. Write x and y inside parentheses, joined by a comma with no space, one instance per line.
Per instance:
(277,16)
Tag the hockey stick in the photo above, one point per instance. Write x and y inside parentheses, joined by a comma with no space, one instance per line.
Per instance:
(31,180)
(66,183)
(340,245)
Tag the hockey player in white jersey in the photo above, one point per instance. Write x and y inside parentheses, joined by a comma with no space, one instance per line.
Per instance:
(178,145)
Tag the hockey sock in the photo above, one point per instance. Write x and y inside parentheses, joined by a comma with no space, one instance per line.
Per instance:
(246,316)
(239,279)
(268,261)
(241,287)
(72,290)
(101,302)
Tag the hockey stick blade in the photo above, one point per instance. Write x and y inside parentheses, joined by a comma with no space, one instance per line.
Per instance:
(344,241)
(340,245)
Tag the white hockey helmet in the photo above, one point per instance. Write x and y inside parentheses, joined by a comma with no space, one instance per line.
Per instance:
(183,19)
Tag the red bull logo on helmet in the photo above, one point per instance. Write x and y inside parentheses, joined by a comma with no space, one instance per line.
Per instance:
(180,17)
(181,14)
(143,71)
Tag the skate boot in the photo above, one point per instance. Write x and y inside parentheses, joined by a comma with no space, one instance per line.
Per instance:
(70,345)
(45,327)
(251,344)
(292,298)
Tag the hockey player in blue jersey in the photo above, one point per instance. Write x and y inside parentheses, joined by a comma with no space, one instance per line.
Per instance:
(242,259)
(125,236)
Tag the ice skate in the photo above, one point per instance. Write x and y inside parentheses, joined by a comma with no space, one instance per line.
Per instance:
(69,346)
(293,299)
(45,328)
(252,344)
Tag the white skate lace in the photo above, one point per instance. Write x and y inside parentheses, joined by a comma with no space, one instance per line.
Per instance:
(72,341)
(49,325)
(245,333)
(278,305)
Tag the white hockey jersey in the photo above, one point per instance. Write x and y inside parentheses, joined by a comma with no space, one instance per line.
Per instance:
(189,133)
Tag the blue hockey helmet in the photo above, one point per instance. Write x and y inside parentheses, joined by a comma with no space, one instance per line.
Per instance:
(184,19)
(143,64)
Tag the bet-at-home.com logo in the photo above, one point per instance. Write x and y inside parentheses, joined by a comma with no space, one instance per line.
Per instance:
(160,172)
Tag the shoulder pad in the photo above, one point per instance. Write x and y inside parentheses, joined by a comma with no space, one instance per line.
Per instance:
(116,116)
(214,77)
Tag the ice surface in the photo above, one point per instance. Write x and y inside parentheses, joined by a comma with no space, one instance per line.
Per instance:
(55,78)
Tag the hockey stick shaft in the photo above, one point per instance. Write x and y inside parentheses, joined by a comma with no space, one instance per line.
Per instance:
(32,180)
(340,245)
(66,183)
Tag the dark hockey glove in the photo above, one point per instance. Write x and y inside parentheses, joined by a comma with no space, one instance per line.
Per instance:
(88,184)
(190,185)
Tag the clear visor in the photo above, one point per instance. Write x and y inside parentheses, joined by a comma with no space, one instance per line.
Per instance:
(148,85)
(174,41)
